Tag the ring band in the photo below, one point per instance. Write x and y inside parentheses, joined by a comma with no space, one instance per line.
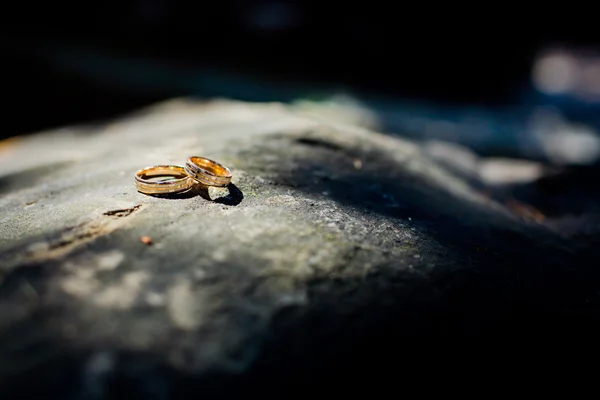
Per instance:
(182,181)
(208,172)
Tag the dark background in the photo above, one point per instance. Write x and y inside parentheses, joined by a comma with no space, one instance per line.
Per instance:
(475,55)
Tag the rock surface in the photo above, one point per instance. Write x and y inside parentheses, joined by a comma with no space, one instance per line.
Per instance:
(334,247)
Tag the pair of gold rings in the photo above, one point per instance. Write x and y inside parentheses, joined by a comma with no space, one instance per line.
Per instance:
(197,170)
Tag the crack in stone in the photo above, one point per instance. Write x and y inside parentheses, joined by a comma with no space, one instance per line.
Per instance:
(124,212)
(75,236)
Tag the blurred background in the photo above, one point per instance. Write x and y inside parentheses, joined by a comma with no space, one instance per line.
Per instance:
(497,81)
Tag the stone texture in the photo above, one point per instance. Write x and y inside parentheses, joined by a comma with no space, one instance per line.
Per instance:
(334,247)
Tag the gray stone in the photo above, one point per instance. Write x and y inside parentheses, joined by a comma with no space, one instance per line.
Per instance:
(333,246)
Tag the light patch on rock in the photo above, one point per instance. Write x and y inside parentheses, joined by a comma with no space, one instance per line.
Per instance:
(82,280)
(123,294)
(282,199)
(78,285)
(452,155)
(88,265)
(293,262)
(38,247)
(496,171)
(219,255)
(183,306)
(155,299)
(110,260)
(254,228)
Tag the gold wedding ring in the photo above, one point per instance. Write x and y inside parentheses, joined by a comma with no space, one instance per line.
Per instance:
(180,183)
(208,172)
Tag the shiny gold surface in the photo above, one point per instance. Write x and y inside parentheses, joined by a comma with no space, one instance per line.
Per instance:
(208,172)
(177,179)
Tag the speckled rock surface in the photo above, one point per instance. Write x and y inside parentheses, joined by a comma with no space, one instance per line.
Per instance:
(334,246)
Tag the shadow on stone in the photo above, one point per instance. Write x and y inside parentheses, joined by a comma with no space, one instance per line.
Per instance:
(188,194)
(233,198)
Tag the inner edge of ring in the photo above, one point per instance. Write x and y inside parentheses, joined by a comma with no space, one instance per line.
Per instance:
(176,171)
(179,177)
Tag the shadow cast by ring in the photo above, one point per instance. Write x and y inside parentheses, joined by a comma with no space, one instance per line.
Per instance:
(234,197)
